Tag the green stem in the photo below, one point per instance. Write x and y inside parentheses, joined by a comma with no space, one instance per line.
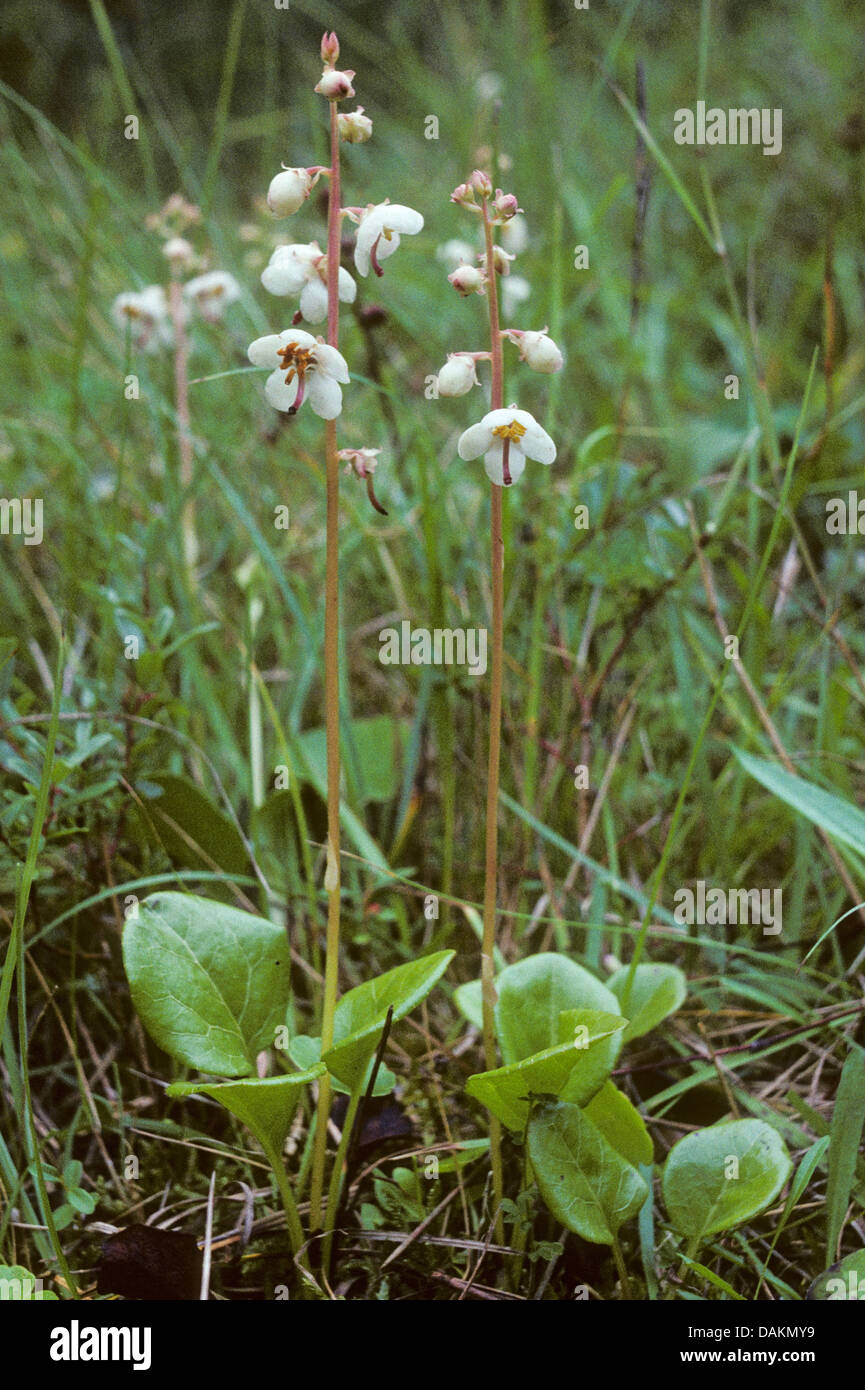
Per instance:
(333,1193)
(620,1266)
(289,1206)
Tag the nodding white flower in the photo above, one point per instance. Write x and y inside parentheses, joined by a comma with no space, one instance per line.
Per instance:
(354,127)
(468,279)
(458,375)
(288,191)
(335,84)
(302,269)
(515,291)
(514,234)
(455,253)
(145,315)
(506,438)
(303,368)
(537,350)
(212,292)
(178,251)
(379,231)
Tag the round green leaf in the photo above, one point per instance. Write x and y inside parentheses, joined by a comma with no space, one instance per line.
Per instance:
(532,994)
(360,1014)
(210,982)
(842,1281)
(719,1177)
(621,1124)
(565,1069)
(586,1184)
(657,992)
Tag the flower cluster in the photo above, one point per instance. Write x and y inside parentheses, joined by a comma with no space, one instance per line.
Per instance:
(147,315)
(505,438)
(303,367)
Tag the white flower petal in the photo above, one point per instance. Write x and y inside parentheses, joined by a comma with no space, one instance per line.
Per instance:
(325,396)
(536,443)
(263,352)
(475,440)
(398,218)
(493,464)
(298,336)
(494,418)
(367,232)
(313,301)
(283,277)
(332,362)
(387,246)
(280,395)
(347,287)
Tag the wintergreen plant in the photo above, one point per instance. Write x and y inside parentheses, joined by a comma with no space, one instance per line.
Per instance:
(210,982)
(154,318)
(505,438)
(303,367)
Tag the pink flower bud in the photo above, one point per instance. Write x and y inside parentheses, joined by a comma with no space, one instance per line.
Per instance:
(481,184)
(335,85)
(464,194)
(467,279)
(329,49)
(505,205)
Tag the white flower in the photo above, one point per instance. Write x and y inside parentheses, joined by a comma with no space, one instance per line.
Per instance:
(288,190)
(303,367)
(506,438)
(145,316)
(537,350)
(334,84)
(468,279)
(212,292)
(354,127)
(455,253)
(379,232)
(178,250)
(515,290)
(514,235)
(302,269)
(458,375)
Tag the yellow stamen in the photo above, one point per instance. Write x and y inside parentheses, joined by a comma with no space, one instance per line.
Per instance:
(513,431)
(295,359)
